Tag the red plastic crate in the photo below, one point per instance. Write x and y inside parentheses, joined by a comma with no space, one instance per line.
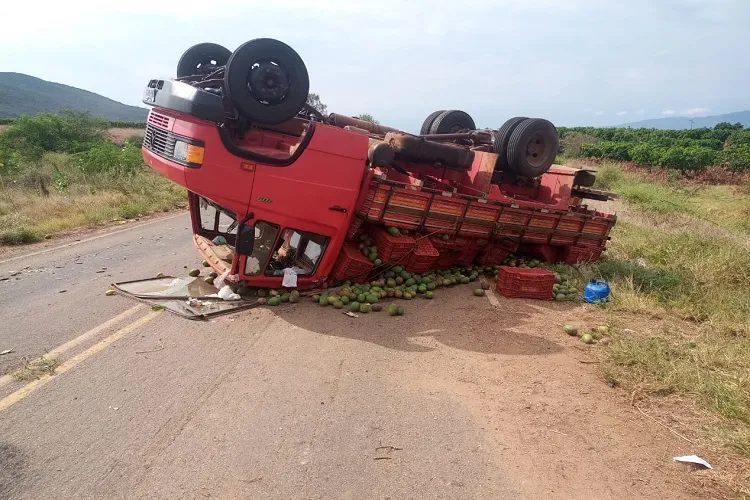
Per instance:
(447,259)
(580,254)
(531,283)
(351,264)
(442,245)
(392,248)
(492,255)
(354,228)
(423,257)
(466,256)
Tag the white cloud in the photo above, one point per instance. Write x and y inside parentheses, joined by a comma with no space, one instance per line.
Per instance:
(669,112)
(694,111)
(640,111)
(621,113)
(599,113)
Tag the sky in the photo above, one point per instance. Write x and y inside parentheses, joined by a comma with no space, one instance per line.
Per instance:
(574,62)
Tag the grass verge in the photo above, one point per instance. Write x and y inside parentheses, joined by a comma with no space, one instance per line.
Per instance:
(30,212)
(681,297)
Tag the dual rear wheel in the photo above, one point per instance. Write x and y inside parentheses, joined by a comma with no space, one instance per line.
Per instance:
(525,146)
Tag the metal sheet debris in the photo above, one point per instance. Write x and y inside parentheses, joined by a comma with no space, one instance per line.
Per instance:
(188,297)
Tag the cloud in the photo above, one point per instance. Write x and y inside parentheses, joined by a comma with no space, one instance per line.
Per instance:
(599,113)
(694,111)
(669,112)
(621,113)
(640,111)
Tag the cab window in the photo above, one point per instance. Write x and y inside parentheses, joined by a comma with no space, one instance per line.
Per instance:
(298,250)
(265,239)
(215,219)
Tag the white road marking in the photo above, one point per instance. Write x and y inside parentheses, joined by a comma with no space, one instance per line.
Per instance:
(57,351)
(24,391)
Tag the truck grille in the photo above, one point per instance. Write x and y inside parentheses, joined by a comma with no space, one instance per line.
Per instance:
(158,120)
(159,141)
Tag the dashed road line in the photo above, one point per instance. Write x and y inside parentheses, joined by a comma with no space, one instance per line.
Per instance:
(24,391)
(57,351)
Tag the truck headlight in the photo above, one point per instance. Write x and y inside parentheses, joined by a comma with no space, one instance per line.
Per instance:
(188,152)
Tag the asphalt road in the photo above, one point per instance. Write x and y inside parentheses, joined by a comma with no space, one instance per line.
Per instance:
(462,397)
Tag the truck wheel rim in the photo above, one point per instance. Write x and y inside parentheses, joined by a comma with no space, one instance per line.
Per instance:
(268,82)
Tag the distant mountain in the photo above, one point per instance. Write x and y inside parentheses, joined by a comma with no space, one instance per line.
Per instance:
(26,95)
(681,122)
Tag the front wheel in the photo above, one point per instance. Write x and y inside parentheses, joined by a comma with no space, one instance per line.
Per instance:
(267,81)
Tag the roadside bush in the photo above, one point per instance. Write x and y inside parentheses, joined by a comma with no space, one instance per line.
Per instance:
(737,158)
(738,138)
(109,158)
(686,159)
(645,154)
(615,150)
(593,150)
(570,144)
(66,132)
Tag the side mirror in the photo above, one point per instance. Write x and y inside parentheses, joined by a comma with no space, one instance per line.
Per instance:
(245,239)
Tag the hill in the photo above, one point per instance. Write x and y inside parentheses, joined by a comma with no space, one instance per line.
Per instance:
(27,95)
(683,122)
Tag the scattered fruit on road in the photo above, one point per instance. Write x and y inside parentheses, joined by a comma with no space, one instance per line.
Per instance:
(571,330)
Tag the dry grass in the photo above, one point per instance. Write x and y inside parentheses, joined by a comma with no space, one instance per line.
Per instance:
(33,370)
(120,135)
(74,200)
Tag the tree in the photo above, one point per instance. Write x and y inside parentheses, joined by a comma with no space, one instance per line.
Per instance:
(367,117)
(314,101)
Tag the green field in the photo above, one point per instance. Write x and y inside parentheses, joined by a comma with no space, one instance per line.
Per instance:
(686,151)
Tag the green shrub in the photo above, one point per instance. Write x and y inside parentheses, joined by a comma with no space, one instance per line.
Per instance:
(108,157)
(66,132)
(693,158)
(737,158)
(18,236)
(645,154)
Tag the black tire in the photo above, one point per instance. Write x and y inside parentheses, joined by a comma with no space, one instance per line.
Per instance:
(500,140)
(272,92)
(202,58)
(532,147)
(451,121)
(427,124)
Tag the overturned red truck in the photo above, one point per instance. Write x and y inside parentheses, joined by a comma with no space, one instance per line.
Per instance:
(275,185)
